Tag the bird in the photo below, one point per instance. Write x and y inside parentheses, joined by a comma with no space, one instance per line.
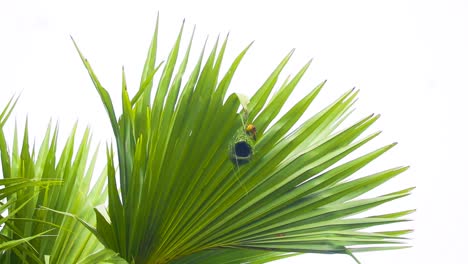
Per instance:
(251,130)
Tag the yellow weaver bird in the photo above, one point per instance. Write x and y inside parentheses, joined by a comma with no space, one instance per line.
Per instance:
(251,130)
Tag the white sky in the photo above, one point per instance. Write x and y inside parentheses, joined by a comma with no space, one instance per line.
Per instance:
(409,58)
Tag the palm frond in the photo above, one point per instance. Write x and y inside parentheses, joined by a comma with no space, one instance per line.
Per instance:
(183,199)
(45,179)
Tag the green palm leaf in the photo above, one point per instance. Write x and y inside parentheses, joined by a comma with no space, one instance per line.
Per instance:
(182,200)
(15,195)
(45,179)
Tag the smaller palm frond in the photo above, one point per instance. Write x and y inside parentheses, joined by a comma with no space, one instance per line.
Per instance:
(61,182)
(15,195)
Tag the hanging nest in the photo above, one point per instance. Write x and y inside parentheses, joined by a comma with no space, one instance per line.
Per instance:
(242,148)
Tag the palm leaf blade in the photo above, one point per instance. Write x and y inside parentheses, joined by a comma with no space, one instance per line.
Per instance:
(184,198)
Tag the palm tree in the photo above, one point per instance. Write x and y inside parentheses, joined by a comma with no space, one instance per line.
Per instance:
(194,185)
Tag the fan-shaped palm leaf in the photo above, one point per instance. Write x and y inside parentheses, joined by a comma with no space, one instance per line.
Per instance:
(67,241)
(182,198)
(15,195)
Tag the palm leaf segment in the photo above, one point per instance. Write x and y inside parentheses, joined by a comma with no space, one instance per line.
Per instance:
(182,196)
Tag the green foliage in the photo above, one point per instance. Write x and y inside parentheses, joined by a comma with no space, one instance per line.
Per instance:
(181,199)
(61,182)
(15,195)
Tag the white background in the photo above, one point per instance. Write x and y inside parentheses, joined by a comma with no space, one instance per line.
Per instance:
(408,58)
